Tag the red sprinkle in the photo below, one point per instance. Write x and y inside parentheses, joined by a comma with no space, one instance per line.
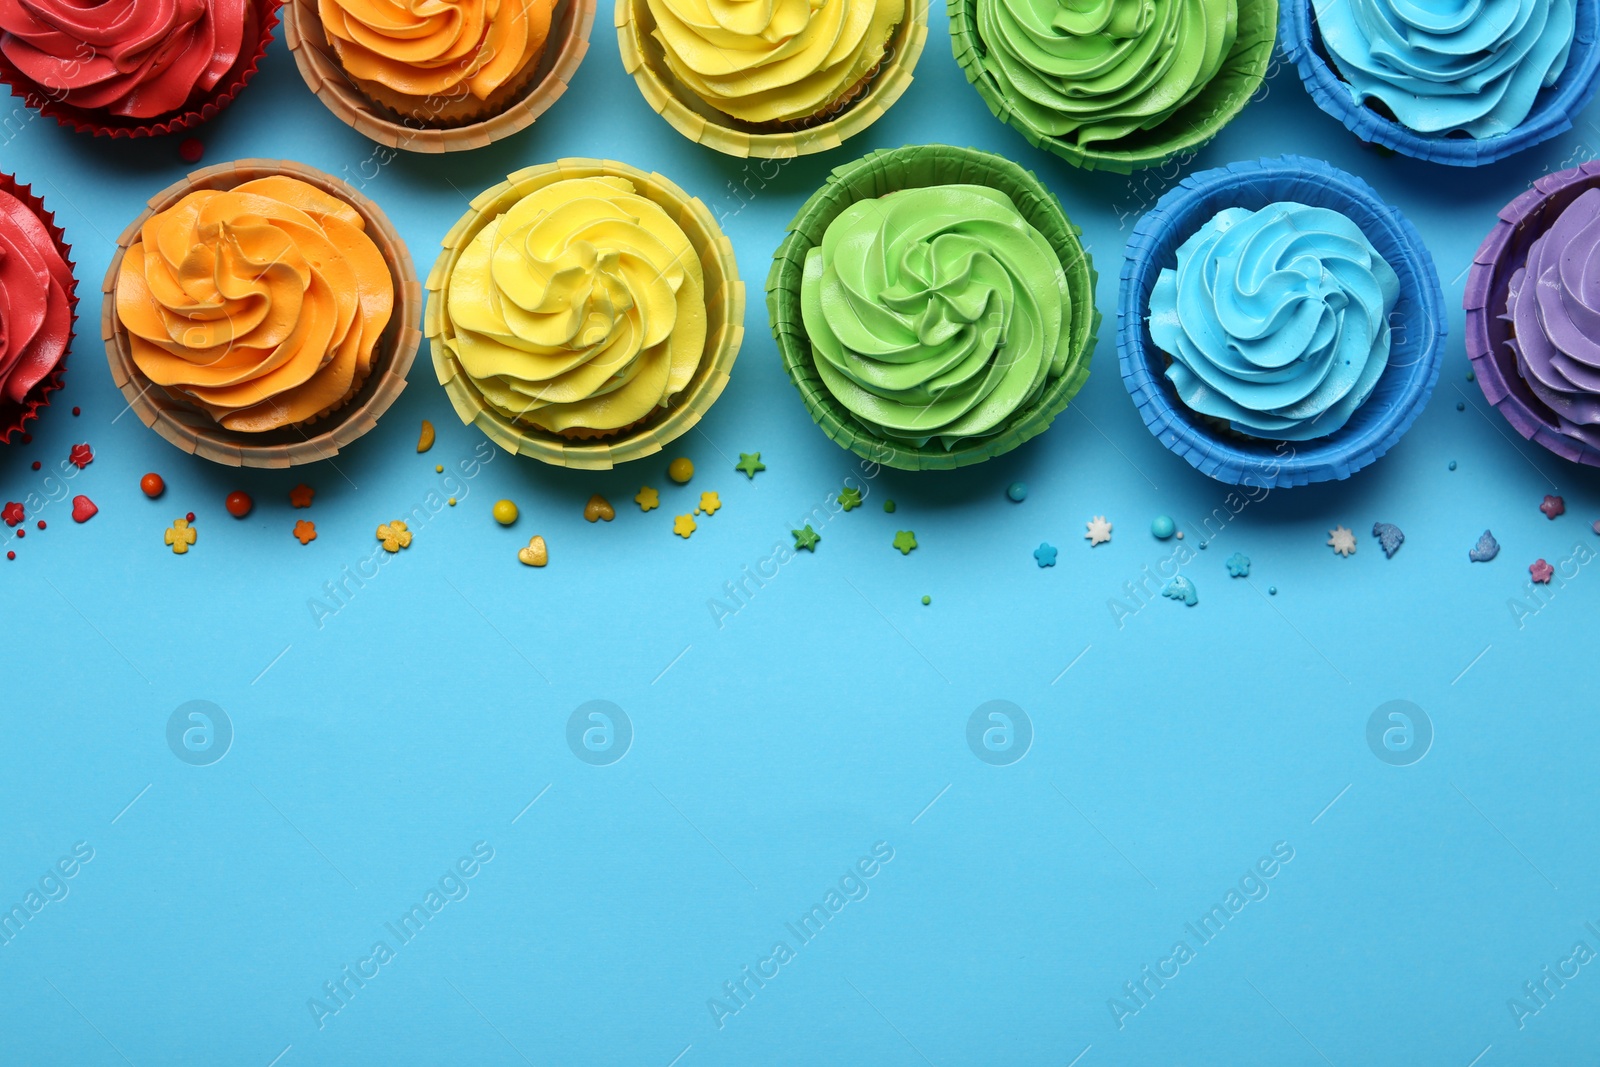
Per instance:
(83,509)
(12,513)
(152,485)
(36,464)
(11,555)
(21,532)
(41,524)
(190,516)
(238,504)
(80,456)
(77,411)
(190,150)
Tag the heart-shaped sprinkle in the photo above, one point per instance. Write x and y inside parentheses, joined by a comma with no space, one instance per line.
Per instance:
(535,555)
(599,508)
(83,509)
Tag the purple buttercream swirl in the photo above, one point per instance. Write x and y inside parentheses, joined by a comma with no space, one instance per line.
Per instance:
(1553,303)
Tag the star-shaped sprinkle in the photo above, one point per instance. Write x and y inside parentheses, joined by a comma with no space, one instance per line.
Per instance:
(647,498)
(394,536)
(82,455)
(709,503)
(849,498)
(749,463)
(300,496)
(1342,541)
(13,513)
(1045,554)
(1553,506)
(683,526)
(1541,571)
(1181,588)
(1239,565)
(806,539)
(1099,531)
(180,536)
(905,541)
(305,532)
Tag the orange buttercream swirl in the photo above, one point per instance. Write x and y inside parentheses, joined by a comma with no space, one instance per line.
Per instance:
(263,304)
(439,48)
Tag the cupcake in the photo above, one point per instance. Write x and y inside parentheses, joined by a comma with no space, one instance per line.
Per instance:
(771,79)
(438,77)
(1115,85)
(1278,324)
(1533,314)
(1465,87)
(132,68)
(258,314)
(933,306)
(585,313)
(38,300)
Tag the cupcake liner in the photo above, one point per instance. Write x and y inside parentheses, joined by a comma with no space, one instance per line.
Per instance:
(916,166)
(1414,359)
(698,121)
(1503,251)
(1551,116)
(565,48)
(1186,131)
(191,428)
(724,323)
(102,124)
(13,417)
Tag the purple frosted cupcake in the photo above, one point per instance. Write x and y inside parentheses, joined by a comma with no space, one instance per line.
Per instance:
(1533,314)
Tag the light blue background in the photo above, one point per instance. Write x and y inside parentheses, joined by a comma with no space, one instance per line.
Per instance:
(826,715)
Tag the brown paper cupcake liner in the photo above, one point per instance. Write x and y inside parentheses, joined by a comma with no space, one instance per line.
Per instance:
(196,111)
(700,122)
(564,49)
(13,417)
(191,428)
(724,294)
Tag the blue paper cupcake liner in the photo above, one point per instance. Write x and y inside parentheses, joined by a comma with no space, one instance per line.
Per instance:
(1418,331)
(1551,116)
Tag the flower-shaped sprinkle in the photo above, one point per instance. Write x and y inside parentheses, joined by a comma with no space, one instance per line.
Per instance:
(305,532)
(1541,571)
(12,513)
(849,498)
(394,536)
(300,496)
(647,498)
(180,536)
(709,503)
(80,456)
(683,526)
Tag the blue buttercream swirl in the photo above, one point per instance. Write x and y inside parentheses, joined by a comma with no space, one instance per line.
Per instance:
(1442,66)
(1277,320)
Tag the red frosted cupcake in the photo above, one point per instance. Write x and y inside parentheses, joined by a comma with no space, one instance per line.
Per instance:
(37,302)
(132,68)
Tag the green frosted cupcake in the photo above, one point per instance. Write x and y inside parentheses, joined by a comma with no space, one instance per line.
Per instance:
(1115,84)
(933,306)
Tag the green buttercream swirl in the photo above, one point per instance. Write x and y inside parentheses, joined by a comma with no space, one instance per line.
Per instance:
(936,313)
(1091,71)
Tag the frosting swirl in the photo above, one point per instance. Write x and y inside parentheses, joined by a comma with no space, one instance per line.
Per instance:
(262,304)
(773,60)
(1553,303)
(134,58)
(1474,66)
(443,48)
(582,307)
(935,312)
(35,300)
(1276,320)
(1092,71)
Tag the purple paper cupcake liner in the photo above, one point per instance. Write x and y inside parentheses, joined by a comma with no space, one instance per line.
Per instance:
(1488,333)
(1418,331)
(1551,115)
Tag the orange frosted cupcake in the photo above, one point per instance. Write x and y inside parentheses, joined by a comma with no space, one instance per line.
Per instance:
(436,63)
(261,305)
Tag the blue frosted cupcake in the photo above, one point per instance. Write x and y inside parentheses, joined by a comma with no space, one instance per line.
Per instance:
(1277,323)
(1464,87)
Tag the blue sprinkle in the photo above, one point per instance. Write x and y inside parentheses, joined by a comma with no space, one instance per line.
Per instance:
(1181,588)
(1272,590)
(1045,554)
(1162,527)
(1487,548)
(1389,537)
(1017,491)
(1452,464)
(1239,565)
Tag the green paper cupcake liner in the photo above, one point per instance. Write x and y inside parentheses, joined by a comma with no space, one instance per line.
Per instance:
(919,166)
(700,122)
(1186,131)
(724,322)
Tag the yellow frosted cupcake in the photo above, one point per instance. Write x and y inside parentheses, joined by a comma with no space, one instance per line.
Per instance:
(436,63)
(784,64)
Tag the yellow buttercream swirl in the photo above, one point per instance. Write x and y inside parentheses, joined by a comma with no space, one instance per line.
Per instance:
(262,303)
(582,307)
(439,48)
(773,60)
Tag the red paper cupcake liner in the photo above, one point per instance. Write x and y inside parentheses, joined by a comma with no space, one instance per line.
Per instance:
(13,417)
(102,124)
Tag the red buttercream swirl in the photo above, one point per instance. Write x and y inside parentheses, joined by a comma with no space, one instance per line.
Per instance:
(35,302)
(134,58)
